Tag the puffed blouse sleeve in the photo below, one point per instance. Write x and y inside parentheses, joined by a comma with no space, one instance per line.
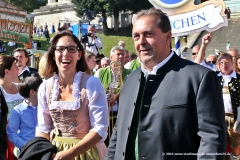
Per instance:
(45,123)
(98,107)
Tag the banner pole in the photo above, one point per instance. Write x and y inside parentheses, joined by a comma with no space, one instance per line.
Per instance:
(177,45)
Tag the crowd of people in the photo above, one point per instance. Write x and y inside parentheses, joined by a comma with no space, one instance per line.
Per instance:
(150,105)
(43,31)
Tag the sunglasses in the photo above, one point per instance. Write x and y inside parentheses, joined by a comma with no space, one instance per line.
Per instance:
(194,54)
(213,62)
(70,49)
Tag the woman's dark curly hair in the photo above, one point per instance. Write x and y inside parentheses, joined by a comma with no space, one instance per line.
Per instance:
(51,64)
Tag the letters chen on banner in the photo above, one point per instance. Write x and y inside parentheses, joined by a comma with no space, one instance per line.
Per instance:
(187,18)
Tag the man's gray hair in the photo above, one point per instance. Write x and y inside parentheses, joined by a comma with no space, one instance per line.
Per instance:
(105,59)
(213,55)
(118,48)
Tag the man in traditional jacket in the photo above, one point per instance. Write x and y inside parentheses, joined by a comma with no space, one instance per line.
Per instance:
(230,83)
(169,108)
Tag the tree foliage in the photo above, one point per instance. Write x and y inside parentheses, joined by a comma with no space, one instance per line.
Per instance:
(110,7)
(29,5)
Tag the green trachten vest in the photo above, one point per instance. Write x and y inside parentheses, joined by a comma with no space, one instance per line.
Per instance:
(105,76)
(135,64)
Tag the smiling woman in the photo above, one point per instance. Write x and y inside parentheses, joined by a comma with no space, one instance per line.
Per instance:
(8,75)
(73,101)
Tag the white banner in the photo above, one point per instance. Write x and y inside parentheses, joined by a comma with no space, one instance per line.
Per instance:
(206,16)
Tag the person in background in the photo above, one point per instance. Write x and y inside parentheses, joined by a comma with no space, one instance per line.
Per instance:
(23,118)
(41,30)
(98,63)
(45,26)
(53,28)
(38,33)
(133,64)
(47,34)
(73,102)
(228,12)
(117,53)
(2,49)
(105,62)
(211,59)
(42,67)
(230,82)
(121,43)
(34,30)
(38,45)
(132,56)
(234,53)
(169,104)
(94,43)
(126,57)
(23,62)
(198,52)
(8,78)
(91,60)
(62,27)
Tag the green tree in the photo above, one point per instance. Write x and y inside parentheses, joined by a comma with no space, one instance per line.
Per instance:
(110,7)
(28,5)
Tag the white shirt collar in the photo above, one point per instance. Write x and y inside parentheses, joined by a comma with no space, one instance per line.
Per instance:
(26,68)
(155,68)
(232,75)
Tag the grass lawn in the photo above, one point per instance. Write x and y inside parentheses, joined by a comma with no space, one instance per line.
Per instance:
(110,39)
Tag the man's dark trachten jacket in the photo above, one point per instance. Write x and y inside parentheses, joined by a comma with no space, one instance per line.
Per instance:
(182,112)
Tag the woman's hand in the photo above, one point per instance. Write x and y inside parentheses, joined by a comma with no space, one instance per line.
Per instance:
(64,155)
(235,127)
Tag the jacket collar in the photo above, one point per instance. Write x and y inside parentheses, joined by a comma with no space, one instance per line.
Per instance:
(169,64)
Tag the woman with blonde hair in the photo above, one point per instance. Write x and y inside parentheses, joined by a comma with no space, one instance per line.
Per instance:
(42,67)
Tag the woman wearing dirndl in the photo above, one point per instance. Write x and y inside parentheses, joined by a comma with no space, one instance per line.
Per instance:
(72,104)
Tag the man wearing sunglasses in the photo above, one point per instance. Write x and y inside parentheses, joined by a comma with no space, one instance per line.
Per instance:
(198,53)
(211,59)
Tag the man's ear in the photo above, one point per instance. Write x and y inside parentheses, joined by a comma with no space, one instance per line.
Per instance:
(169,37)
(6,71)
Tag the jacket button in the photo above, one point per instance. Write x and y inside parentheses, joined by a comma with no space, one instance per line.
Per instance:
(144,157)
(123,153)
(128,128)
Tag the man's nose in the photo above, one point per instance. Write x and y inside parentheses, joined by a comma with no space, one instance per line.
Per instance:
(142,39)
